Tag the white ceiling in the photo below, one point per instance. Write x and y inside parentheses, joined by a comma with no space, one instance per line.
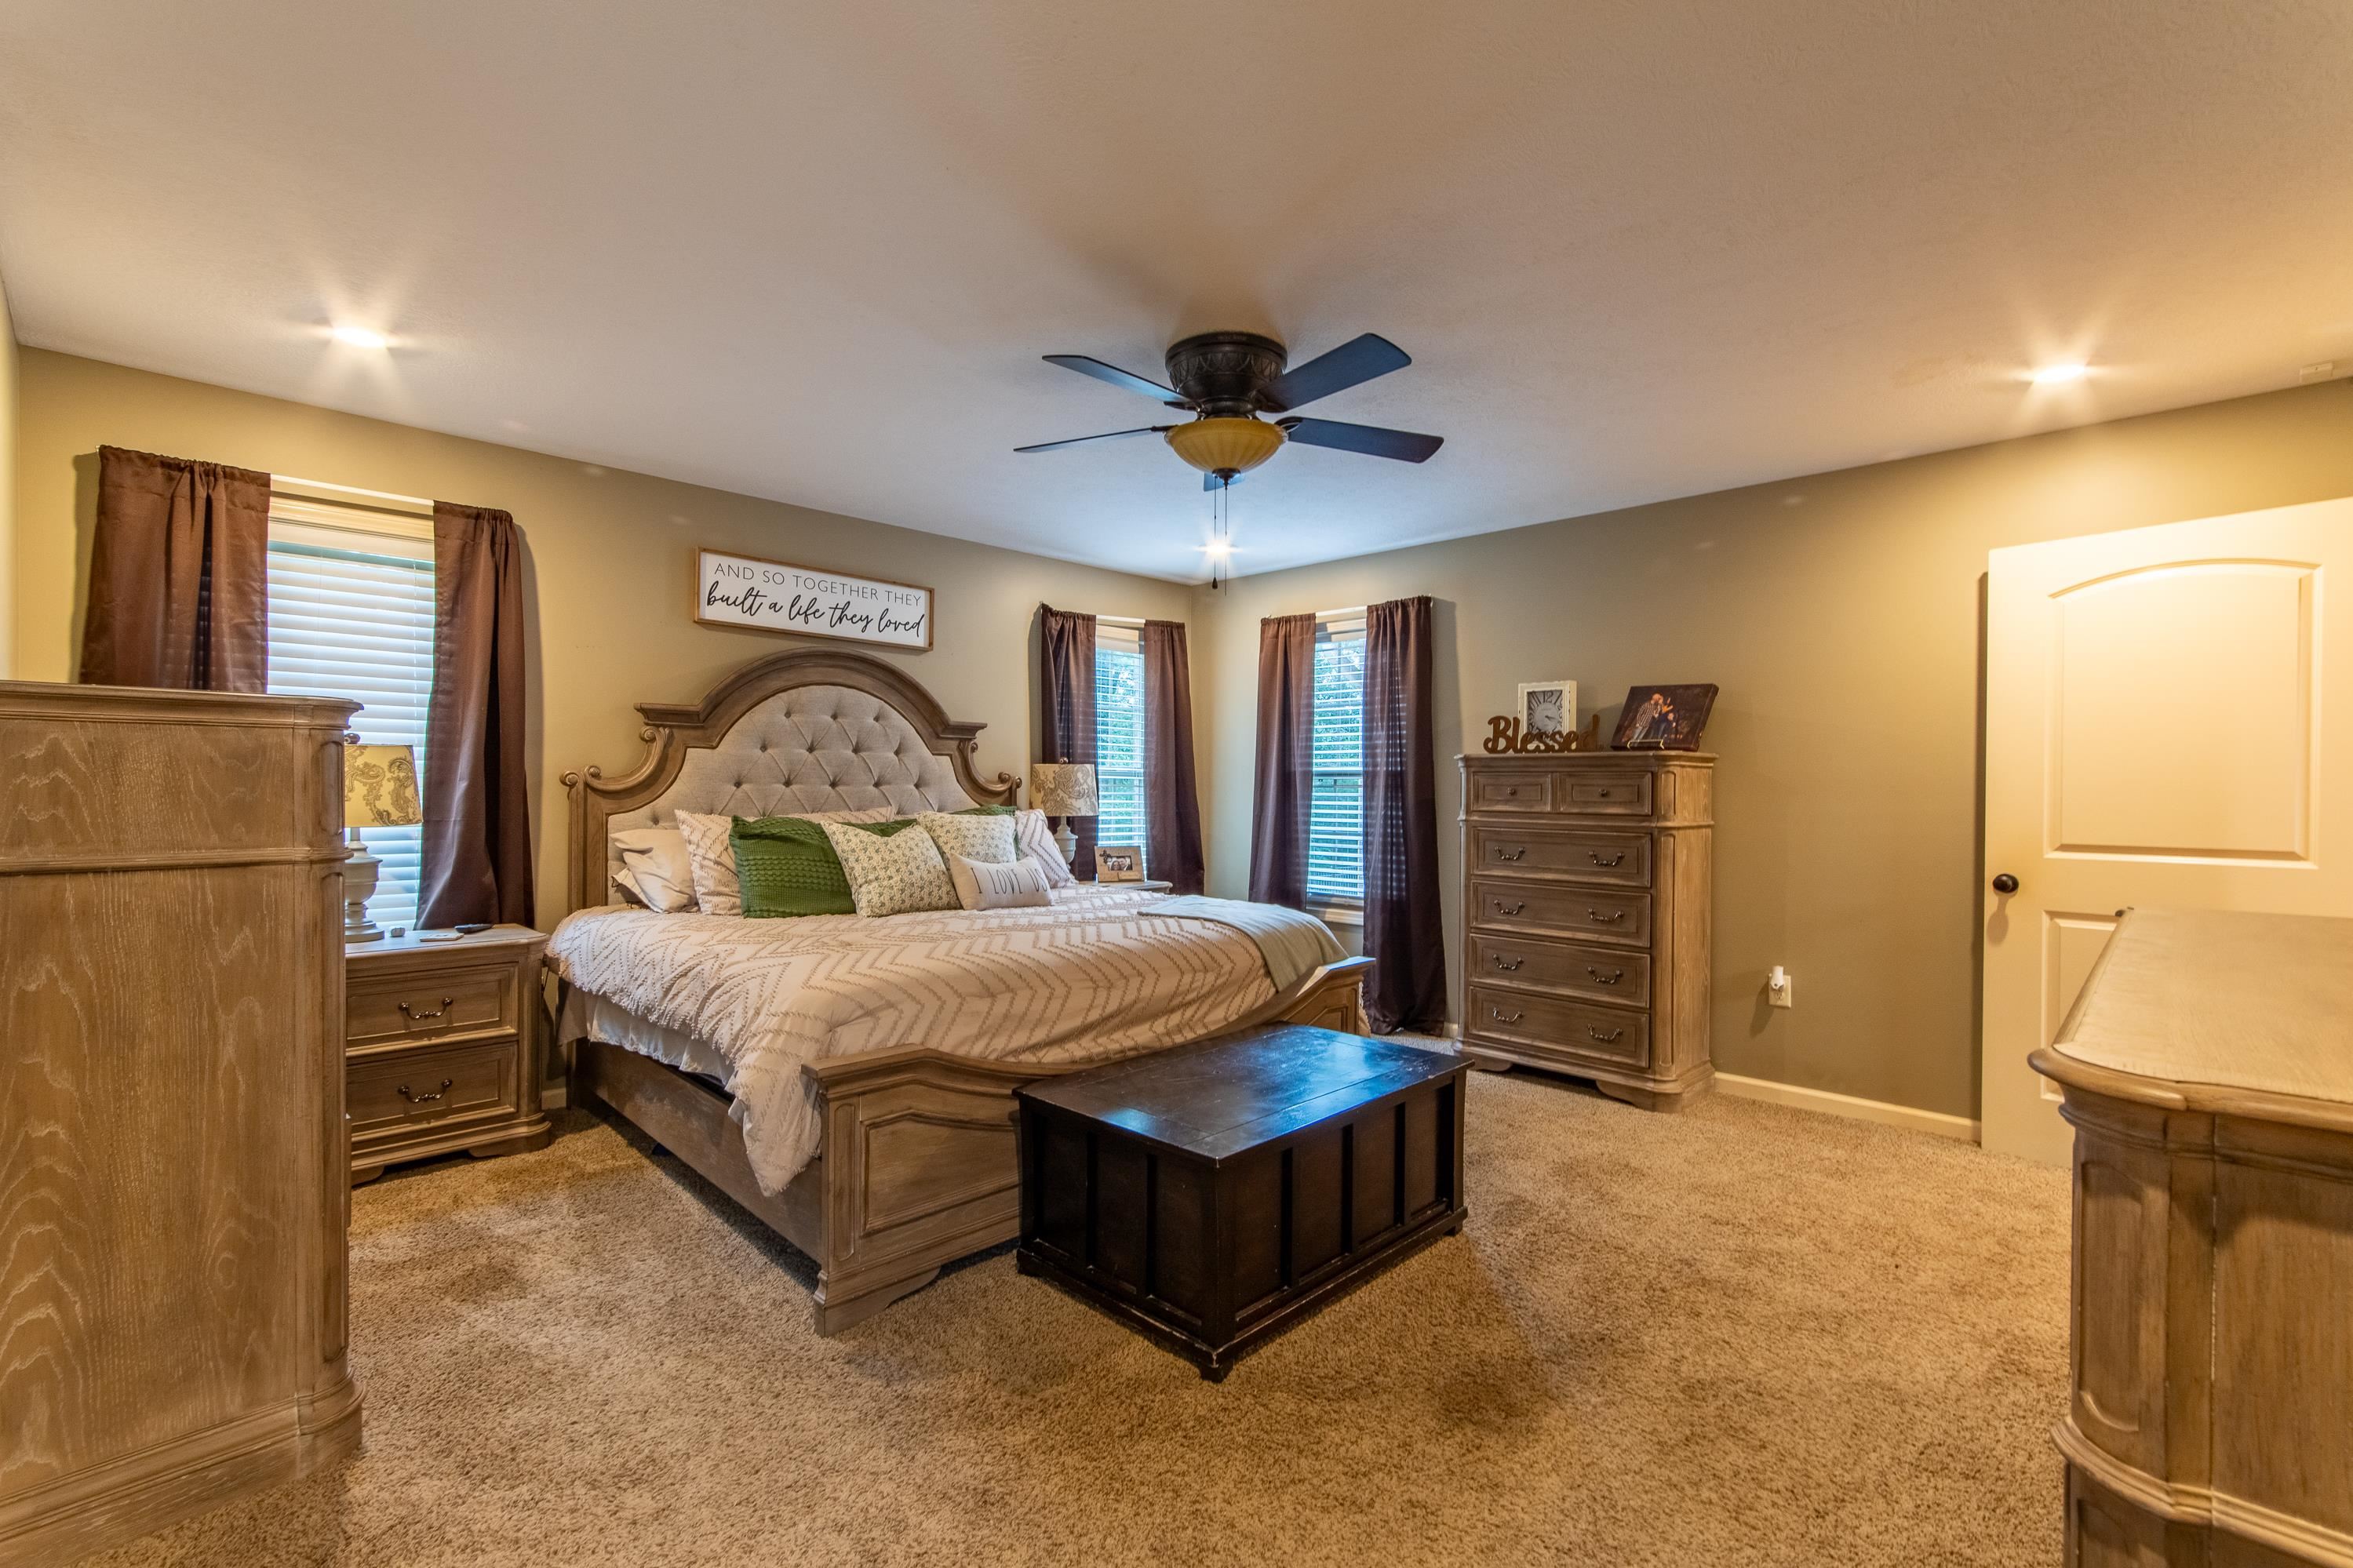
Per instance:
(1638,249)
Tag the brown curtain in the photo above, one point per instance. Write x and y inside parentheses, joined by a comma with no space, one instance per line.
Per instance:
(477,849)
(1172,802)
(1284,786)
(1402,933)
(179,575)
(1066,647)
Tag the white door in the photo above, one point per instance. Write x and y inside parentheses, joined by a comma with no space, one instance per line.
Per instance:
(2157,706)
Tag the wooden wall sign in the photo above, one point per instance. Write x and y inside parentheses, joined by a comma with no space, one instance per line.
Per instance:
(804,601)
(1505,738)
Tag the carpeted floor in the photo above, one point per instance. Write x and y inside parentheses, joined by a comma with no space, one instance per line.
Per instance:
(1745,1335)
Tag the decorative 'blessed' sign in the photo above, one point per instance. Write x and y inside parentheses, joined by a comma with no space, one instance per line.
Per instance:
(773,596)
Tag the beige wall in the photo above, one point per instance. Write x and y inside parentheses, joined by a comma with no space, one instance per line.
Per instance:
(611,554)
(8,487)
(1840,614)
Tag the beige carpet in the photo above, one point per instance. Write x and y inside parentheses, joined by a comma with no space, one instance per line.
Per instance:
(1745,1335)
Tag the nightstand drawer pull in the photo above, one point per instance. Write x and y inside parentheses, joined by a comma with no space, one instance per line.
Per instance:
(1612,978)
(1611,918)
(1603,794)
(1598,1039)
(415,1017)
(1594,856)
(1507,967)
(425,1099)
(1503,909)
(1521,853)
(1502,1019)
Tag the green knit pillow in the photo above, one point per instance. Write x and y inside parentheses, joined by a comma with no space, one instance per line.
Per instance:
(787,866)
(986,811)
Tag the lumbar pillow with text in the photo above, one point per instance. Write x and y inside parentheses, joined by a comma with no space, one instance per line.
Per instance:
(998,885)
(657,867)
(1037,841)
(894,875)
(717,891)
(987,837)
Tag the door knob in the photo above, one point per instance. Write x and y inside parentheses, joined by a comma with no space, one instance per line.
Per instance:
(2005,884)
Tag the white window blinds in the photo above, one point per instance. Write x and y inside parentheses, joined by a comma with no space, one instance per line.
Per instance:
(351,615)
(1119,735)
(1335,817)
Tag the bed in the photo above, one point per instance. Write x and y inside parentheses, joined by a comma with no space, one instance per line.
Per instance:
(888,1149)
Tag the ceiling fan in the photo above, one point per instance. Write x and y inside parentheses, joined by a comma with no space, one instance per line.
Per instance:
(1227,380)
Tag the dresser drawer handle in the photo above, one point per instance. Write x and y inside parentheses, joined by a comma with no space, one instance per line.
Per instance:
(1515,855)
(1611,918)
(1594,856)
(415,1017)
(1514,790)
(1612,978)
(1500,1017)
(1503,909)
(1603,794)
(1598,1039)
(1507,968)
(424,1099)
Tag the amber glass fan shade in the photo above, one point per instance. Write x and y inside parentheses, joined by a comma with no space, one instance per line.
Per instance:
(1226,445)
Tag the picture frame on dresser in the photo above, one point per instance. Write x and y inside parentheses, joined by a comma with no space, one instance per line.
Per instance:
(1588,884)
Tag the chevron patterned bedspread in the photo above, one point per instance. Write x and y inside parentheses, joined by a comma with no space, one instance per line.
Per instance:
(1087,979)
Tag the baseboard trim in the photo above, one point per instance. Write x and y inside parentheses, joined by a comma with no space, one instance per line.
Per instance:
(1936,1123)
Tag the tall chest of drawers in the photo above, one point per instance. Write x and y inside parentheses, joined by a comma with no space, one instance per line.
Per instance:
(1588,886)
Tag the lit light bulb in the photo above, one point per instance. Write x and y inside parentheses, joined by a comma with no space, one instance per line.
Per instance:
(360,338)
(1219,549)
(2055,374)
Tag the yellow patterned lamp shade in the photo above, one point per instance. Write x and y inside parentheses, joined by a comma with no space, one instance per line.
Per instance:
(380,787)
(1063,789)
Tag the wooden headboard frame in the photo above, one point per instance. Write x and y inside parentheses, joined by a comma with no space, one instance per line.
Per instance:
(673,728)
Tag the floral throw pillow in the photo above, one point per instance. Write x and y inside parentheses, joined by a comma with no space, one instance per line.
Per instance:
(987,840)
(895,876)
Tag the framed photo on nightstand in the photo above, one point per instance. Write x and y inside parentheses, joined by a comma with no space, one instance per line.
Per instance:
(1119,862)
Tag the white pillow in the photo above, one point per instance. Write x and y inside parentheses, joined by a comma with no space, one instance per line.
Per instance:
(998,885)
(988,839)
(626,886)
(716,889)
(1036,840)
(654,867)
(895,876)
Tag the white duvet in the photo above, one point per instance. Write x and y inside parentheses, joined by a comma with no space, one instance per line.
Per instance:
(1089,978)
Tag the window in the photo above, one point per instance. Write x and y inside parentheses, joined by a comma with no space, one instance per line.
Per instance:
(351,615)
(1335,816)
(1118,734)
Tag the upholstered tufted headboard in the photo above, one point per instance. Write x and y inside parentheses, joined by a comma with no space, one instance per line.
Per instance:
(807,730)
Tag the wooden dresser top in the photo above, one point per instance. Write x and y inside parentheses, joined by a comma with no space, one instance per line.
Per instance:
(2255,1002)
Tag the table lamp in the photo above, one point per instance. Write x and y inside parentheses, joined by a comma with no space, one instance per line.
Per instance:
(379,791)
(1063,790)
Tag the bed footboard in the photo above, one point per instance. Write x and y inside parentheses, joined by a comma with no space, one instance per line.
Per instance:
(919,1166)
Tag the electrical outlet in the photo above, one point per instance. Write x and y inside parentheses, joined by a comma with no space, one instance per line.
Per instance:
(1779,988)
(2325,370)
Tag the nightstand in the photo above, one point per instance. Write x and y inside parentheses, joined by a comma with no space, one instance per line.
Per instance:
(443,1047)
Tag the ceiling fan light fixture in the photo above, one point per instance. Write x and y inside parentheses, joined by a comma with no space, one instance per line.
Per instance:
(1226,445)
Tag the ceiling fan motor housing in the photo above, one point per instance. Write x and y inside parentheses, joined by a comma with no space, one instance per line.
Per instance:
(1220,372)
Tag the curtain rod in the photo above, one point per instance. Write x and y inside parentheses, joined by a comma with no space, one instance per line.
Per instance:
(348,495)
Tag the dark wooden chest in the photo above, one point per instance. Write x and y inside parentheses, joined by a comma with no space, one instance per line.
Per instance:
(1210,1197)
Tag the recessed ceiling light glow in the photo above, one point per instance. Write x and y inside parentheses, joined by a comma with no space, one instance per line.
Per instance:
(360,338)
(1219,549)
(2058,375)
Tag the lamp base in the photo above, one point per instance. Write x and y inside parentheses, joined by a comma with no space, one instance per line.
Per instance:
(359,887)
(1066,841)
